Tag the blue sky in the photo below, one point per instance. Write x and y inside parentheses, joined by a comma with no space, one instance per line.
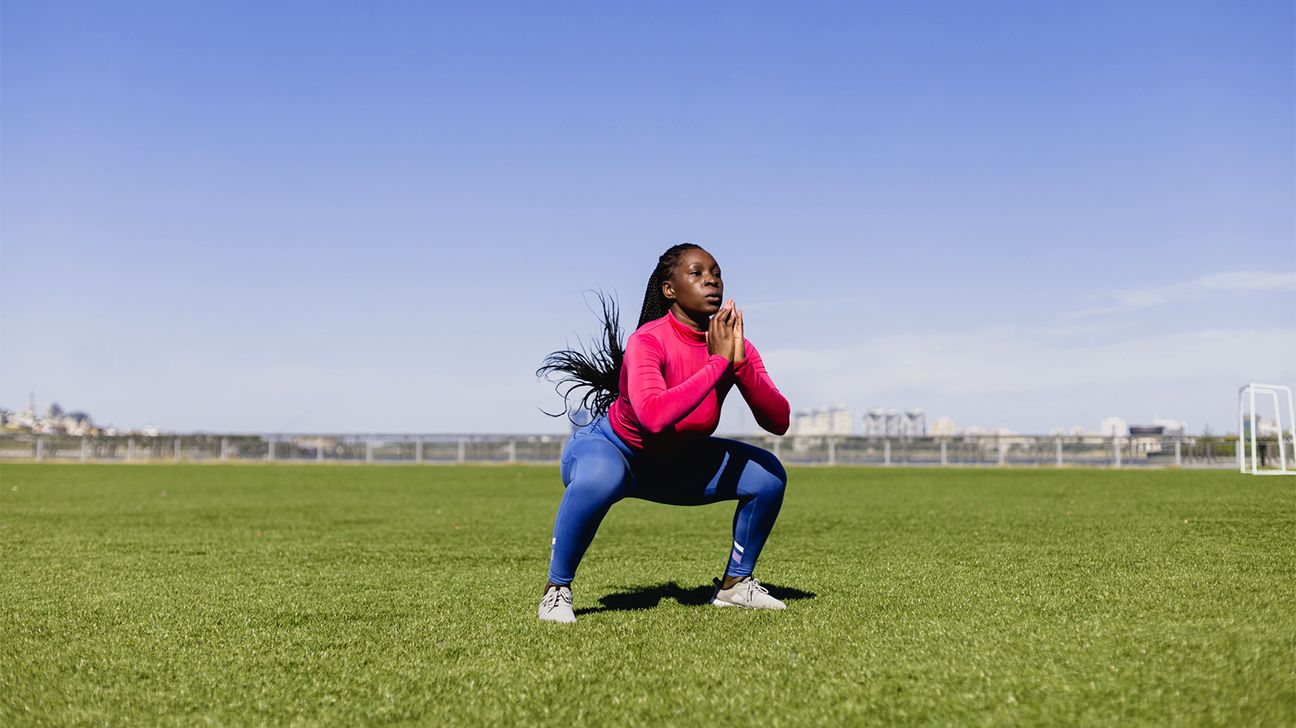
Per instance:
(381,216)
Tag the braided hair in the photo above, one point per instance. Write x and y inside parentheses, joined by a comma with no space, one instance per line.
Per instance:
(596,367)
(655,304)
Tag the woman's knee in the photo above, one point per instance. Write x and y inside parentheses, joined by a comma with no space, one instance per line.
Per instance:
(767,474)
(592,491)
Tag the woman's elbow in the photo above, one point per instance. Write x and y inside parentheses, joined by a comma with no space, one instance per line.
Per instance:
(654,424)
(777,425)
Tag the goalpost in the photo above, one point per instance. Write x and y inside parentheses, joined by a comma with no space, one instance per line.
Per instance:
(1247,396)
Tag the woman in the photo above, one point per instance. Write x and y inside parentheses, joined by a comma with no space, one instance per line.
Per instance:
(656,405)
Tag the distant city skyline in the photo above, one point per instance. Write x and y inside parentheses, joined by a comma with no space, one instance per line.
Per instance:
(380,218)
(836,420)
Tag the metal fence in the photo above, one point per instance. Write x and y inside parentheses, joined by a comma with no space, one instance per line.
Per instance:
(973,450)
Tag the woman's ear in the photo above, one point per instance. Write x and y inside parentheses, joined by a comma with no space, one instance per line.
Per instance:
(668,290)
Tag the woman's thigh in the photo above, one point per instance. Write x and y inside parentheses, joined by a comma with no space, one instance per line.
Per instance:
(593,460)
(714,470)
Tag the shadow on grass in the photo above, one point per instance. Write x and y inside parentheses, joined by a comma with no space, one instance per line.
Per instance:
(650,596)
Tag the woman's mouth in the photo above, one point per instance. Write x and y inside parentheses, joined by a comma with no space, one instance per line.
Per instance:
(714,298)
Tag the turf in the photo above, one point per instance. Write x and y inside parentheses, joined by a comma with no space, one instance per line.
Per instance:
(344,595)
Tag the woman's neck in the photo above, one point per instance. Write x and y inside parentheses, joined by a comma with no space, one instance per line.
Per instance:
(698,324)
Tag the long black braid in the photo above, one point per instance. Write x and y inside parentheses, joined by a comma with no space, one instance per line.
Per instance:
(596,368)
(655,304)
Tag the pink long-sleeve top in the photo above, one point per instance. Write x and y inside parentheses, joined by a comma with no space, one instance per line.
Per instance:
(672,389)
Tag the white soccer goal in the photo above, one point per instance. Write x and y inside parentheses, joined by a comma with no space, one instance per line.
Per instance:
(1247,396)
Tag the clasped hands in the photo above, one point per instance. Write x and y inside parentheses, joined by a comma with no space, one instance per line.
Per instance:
(725,334)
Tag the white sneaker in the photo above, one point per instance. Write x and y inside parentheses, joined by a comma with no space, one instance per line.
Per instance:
(747,593)
(556,606)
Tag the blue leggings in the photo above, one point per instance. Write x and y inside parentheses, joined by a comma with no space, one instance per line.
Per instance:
(598,469)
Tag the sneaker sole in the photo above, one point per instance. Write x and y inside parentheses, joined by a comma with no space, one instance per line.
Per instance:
(719,603)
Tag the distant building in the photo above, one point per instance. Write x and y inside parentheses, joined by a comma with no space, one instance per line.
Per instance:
(21,420)
(886,422)
(1113,427)
(1265,427)
(1146,438)
(54,421)
(823,421)
(842,422)
(77,423)
(1171,427)
(981,430)
(914,424)
(942,427)
(894,423)
(875,423)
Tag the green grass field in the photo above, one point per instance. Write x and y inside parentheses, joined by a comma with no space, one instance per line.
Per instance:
(342,595)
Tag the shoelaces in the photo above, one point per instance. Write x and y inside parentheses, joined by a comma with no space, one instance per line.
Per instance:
(754,586)
(554,596)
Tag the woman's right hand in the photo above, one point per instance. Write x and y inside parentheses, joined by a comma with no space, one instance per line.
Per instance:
(720,332)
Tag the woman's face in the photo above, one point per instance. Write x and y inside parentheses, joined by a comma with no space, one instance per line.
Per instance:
(695,284)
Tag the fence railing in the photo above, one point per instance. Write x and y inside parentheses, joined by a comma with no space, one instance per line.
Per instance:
(971,450)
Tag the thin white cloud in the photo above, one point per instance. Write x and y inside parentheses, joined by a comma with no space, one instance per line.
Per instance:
(1233,283)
